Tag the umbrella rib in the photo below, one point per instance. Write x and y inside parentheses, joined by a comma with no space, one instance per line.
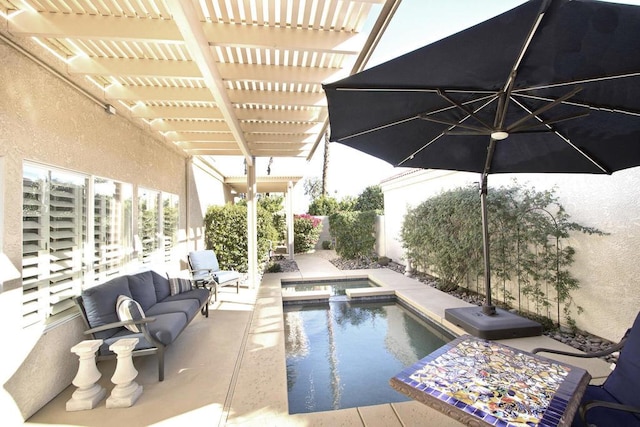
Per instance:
(522,129)
(525,46)
(577,82)
(422,148)
(565,139)
(464,108)
(456,124)
(583,105)
(377,128)
(541,110)
(445,131)
(423,116)
(420,90)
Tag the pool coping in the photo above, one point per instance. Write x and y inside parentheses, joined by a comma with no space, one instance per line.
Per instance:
(261,379)
(259,396)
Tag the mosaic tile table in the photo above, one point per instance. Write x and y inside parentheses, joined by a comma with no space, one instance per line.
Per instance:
(479,382)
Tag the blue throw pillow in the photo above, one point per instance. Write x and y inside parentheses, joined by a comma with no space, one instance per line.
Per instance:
(129,309)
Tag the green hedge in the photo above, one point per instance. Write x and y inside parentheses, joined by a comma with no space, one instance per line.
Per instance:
(354,233)
(530,257)
(306,230)
(226,234)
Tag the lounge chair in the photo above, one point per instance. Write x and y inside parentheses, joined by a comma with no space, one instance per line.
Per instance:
(205,271)
(617,401)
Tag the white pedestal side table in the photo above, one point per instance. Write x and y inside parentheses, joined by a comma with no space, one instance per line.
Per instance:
(126,391)
(88,393)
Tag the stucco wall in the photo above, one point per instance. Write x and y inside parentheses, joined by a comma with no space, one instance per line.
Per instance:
(605,266)
(42,119)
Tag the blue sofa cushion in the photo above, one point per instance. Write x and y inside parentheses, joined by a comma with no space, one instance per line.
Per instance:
(168,326)
(189,307)
(603,416)
(143,289)
(623,381)
(165,329)
(161,283)
(100,303)
(202,295)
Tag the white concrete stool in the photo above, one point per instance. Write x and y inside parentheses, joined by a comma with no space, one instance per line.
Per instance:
(126,391)
(88,393)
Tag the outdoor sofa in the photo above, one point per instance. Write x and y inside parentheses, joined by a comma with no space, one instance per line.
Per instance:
(147,306)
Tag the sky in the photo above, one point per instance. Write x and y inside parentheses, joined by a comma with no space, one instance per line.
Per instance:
(416,23)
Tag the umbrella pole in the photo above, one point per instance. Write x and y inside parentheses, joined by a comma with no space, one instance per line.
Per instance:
(487,308)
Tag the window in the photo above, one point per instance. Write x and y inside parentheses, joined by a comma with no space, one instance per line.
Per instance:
(170,214)
(77,231)
(149,226)
(53,237)
(112,233)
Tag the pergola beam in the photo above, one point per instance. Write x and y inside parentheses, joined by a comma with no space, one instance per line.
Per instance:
(125,67)
(92,27)
(190,27)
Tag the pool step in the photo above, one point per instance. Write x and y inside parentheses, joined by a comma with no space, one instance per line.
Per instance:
(306,296)
(369,292)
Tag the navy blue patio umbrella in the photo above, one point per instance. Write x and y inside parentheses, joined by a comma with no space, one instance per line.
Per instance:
(551,86)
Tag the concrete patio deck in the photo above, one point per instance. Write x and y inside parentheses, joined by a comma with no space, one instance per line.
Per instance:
(229,369)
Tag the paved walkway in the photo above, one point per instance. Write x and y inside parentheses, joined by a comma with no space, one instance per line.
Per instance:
(229,369)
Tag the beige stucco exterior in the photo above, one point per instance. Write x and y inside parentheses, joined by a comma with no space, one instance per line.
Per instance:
(606,266)
(44,120)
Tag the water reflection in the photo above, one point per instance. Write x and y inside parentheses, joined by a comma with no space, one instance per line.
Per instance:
(342,355)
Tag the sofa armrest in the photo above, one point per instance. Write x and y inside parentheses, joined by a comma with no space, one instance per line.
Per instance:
(614,406)
(202,270)
(114,325)
(201,274)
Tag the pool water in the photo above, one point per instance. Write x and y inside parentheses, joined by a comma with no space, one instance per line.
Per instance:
(336,288)
(342,354)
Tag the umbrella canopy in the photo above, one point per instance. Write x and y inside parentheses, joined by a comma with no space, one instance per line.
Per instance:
(551,86)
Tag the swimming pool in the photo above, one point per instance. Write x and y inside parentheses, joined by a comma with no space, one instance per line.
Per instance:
(342,354)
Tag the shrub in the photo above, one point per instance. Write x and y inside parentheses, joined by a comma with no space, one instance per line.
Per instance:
(326,244)
(306,231)
(371,199)
(226,233)
(354,233)
(347,203)
(528,257)
(443,235)
(273,204)
(323,206)
(274,267)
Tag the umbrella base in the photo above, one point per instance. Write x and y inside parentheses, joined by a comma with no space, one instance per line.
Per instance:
(501,325)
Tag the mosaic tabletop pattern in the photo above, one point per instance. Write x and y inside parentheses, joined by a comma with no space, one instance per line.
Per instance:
(498,384)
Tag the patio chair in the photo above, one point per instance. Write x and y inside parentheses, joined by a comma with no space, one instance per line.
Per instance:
(205,271)
(617,401)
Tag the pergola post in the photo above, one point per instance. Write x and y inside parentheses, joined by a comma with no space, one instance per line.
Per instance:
(289,216)
(252,225)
